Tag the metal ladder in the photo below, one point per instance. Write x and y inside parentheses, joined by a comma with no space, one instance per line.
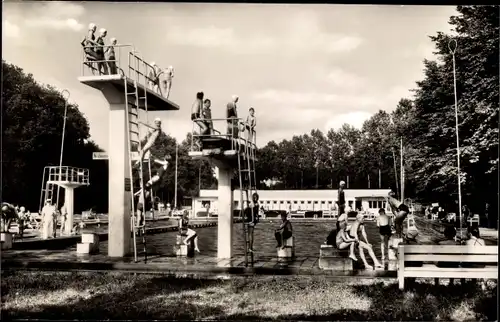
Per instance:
(247,176)
(47,191)
(133,101)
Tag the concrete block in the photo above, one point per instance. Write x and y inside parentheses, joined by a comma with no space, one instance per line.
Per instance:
(331,251)
(184,250)
(89,238)
(6,240)
(336,263)
(87,248)
(286,252)
(290,242)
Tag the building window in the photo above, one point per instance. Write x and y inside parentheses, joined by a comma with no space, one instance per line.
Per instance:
(323,202)
(275,202)
(309,201)
(268,202)
(315,201)
(370,204)
(330,202)
(281,202)
(288,202)
(302,201)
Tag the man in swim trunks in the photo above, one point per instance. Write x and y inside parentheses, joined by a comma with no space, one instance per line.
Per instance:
(357,227)
(207,116)
(384,226)
(232,117)
(167,83)
(341,198)
(400,211)
(154,78)
(196,116)
(251,219)
(343,241)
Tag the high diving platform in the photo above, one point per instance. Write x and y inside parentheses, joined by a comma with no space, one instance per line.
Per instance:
(155,102)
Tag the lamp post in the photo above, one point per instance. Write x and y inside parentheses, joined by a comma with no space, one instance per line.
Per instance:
(452,45)
(62,141)
(175,190)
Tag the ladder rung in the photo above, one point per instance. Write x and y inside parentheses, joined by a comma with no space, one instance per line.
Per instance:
(133,113)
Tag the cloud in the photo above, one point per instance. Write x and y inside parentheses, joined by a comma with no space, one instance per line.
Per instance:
(355,119)
(10,30)
(340,78)
(57,16)
(213,37)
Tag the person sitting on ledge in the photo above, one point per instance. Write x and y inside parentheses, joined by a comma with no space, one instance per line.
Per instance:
(357,227)
(343,240)
(188,232)
(252,218)
(474,238)
(284,232)
(400,211)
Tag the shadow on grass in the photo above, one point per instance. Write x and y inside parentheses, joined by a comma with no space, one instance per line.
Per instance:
(128,296)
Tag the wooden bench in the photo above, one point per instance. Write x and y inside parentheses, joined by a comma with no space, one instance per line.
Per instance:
(447,261)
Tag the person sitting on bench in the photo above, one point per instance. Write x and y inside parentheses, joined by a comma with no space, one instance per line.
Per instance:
(284,232)
(400,211)
(474,239)
(356,227)
(188,232)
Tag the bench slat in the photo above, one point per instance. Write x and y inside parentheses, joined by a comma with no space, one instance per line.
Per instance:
(480,258)
(446,272)
(449,249)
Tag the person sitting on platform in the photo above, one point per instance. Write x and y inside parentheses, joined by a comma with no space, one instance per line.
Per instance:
(207,116)
(357,227)
(99,50)
(196,115)
(384,226)
(89,44)
(232,117)
(151,138)
(167,82)
(188,232)
(284,232)
(400,211)
(111,57)
(252,218)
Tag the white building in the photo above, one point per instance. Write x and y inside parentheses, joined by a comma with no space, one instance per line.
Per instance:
(299,200)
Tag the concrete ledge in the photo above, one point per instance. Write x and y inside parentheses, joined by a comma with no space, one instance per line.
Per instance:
(187,271)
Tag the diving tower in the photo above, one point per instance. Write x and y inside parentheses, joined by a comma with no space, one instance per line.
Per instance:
(128,88)
(68,178)
(229,153)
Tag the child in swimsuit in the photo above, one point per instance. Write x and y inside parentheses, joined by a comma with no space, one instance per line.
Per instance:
(384,226)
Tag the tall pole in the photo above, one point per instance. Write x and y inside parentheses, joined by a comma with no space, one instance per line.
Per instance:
(347,182)
(379,179)
(317,172)
(368,181)
(175,190)
(62,142)
(402,173)
(452,45)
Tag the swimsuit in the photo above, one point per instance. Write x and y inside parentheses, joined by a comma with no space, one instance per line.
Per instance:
(195,116)
(385,230)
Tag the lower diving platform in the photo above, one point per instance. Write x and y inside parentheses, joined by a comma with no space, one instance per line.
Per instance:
(222,147)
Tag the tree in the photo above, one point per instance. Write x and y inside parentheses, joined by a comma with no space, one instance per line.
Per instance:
(32,119)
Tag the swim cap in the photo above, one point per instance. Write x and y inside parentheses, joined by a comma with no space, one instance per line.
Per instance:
(102,30)
(342,182)
(92,26)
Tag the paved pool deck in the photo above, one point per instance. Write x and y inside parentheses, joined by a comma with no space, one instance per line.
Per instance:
(29,256)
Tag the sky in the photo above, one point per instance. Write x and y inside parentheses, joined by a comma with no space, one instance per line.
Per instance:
(301,67)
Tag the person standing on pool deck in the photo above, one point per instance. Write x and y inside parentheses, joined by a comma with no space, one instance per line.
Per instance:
(252,218)
(400,211)
(384,226)
(341,198)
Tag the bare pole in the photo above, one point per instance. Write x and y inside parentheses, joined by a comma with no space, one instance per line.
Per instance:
(62,142)
(175,190)
(452,45)
(402,172)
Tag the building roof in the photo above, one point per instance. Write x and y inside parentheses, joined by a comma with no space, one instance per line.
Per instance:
(305,194)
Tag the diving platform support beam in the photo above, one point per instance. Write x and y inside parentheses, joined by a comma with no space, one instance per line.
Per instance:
(225,217)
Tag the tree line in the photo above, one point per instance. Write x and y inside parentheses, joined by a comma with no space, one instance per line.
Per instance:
(32,117)
(425,123)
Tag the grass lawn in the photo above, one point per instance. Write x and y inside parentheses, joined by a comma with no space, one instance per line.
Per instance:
(64,295)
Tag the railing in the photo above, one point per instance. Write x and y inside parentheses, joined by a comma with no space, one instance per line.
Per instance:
(235,130)
(126,62)
(69,174)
